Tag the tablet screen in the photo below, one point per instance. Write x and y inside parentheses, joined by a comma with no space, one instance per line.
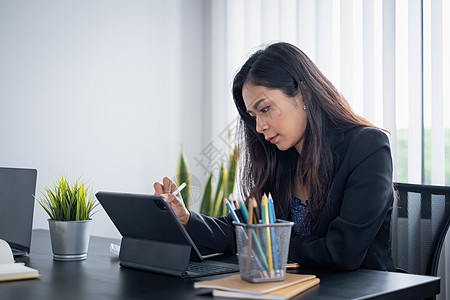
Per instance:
(148,217)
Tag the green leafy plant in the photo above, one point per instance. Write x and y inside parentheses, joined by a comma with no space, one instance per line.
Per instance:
(213,199)
(213,204)
(65,202)
(183,176)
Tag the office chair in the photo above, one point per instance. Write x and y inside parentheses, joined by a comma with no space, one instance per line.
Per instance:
(420,221)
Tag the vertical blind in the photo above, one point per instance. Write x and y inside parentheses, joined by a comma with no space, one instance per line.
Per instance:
(390,59)
(386,57)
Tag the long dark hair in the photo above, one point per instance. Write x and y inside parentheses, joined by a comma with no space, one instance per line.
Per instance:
(262,167)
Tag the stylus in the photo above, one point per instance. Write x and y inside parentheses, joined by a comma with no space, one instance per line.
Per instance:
(179,189)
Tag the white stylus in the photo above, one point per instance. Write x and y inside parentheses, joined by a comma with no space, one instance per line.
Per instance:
(179,189)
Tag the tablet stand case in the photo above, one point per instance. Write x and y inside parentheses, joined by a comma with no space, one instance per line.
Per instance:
(155,256)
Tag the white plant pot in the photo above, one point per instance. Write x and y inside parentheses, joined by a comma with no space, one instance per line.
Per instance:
(70,239)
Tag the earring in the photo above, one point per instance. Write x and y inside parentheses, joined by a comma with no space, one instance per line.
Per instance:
(304,107)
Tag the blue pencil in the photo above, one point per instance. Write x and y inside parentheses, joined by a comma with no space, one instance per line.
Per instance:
(272,220)
(233,213)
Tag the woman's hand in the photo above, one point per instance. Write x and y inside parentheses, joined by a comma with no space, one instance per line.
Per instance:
(176,202)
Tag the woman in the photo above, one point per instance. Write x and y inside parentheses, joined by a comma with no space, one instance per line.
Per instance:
(328,169)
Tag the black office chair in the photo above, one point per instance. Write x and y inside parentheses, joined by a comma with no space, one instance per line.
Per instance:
(420,221)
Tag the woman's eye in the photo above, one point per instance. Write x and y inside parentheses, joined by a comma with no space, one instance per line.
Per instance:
(265,109)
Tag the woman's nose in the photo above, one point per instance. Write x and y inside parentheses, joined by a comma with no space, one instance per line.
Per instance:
(260,125)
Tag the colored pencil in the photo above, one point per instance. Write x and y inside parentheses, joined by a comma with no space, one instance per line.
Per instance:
(266,221)
(249,232)
(236,219)
(258,244)
(272,220)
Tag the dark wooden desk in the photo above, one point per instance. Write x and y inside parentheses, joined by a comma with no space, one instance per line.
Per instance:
(101,277)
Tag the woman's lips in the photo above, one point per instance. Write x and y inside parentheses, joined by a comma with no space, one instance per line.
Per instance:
(272,139)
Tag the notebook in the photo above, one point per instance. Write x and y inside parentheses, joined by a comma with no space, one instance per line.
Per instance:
(153,238)
(17,190)
(9,270)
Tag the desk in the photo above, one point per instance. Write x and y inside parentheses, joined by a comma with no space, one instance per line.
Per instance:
(101,277)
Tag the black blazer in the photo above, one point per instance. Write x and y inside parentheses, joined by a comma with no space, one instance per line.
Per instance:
(354,227)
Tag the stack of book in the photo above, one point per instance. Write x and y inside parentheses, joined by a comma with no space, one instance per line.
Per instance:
(234,286)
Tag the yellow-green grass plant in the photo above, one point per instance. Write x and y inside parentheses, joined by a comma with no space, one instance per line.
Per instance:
(68,202)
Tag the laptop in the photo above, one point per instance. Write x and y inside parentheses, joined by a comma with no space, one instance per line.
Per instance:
(153,239)
(17,190)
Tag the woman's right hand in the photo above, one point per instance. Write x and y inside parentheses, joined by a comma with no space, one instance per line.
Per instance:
(165,189)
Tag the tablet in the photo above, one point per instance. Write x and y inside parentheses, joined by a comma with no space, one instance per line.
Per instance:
(153,239)
(146,217)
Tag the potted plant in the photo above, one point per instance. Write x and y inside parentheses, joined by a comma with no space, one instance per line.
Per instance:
(212,203)
(70,208)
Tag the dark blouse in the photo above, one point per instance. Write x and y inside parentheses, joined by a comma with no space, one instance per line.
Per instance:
(299,210)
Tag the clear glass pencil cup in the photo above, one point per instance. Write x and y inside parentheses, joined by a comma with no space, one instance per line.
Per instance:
(263,250)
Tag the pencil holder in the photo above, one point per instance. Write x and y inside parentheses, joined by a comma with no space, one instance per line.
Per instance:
(263,250)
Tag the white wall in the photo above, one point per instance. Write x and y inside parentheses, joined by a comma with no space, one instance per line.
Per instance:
(103,89)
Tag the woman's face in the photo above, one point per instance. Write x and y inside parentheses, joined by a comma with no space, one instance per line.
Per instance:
(281,119)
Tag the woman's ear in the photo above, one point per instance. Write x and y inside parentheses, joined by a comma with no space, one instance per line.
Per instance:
(302,93)
(299,98)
